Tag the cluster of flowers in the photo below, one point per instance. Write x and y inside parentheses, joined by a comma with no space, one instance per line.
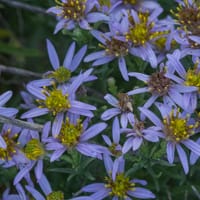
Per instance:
(134,30)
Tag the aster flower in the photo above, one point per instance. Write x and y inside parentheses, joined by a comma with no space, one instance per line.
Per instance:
(46,188)
(72,13)
(35,150)
(62,73)
(10,147)
(189,78)
(114,48)
(114,148)
(161,84)
(57,101)
(142,31)
(122,107)
(137,134)
(75,135)
(8,112)
(177,128)
(117,185)
(188,28)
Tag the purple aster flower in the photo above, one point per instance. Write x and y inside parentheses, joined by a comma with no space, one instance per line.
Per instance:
(57,101)
(114,148)
(35,150)
(194,157)
(113,47)
(143,30)
(162,84)
(62,72)
(72,13)
(75,135)
(8,112)
(122,107)
(177,128)
(188,78)
(117,185)
(138,133)
(10,147)
(46,188)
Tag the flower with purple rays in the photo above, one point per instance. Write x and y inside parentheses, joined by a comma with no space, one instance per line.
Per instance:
(75,135)
(114,48)
(35,150)
(114,148)
(117,185)
(10,147)
(46,188)
(162,84)
(142,31)
(62,73)
(189,78)
(57,101)
(176,128)
(122,107)
(72,13)
(137,134)
(8,112)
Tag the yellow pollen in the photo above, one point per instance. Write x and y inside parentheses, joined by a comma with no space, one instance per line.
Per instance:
(58,195)
(55,101)
(120,186)
(70,133)
(192,77)
(176,128)
(10,150)
(34,149)
(61,75)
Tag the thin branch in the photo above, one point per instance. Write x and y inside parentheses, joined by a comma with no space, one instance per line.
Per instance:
(18,71)
(25,6)
(20,123)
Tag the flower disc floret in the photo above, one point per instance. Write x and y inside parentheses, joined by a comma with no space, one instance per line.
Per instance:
(142,32)
(132,2)
(10,150)
(72,9)
(58,195)
(125,102)
(115,47)
(34,149)
(176,128)
(55,101)
(192,78)
(158,83)
(120,186)
(70,133)
(61,74)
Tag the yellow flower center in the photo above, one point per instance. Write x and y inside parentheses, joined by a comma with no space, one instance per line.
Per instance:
(72,9)
(7,154)
(61,74)
(34,149)
(55,101)
(105,3)
(133,2)
(140,33)
(120,186)
(113,149)
(70,133)
(58,195)
(192,78)
(176,128)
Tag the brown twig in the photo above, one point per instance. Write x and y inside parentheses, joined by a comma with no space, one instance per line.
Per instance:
(20,123)
(25,6)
